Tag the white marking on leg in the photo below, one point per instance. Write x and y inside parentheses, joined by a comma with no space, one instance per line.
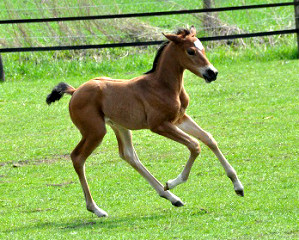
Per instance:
(92,207)
(184,175)
(190,127)
(238,185)
(90,204)
(132,158)
(174,182)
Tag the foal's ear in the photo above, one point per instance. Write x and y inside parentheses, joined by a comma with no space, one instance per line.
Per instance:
(173,37)
(193,31)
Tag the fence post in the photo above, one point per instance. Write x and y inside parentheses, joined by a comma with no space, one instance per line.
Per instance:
(297,22)
(209,21)
(2,78)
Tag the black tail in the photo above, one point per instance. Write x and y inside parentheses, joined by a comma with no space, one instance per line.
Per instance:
(58,92)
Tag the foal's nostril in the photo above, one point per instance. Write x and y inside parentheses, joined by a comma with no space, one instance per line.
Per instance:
(210,71)
(211,75)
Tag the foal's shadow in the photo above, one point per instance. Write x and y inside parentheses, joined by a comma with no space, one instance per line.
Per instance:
(112,222)
(93,222)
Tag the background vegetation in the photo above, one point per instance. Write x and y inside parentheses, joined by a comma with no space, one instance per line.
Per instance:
(251,110)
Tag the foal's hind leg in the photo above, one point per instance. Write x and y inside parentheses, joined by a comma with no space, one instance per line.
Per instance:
(190,127)
(128,153)
(93,130)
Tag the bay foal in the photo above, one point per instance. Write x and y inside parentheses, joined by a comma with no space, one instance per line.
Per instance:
(156,100)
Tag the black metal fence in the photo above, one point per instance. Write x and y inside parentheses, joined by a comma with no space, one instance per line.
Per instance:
(295,3)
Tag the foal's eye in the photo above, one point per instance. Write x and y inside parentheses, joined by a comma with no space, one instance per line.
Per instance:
(191,51)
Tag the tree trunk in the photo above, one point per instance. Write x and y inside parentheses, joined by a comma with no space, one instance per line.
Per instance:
(209,22)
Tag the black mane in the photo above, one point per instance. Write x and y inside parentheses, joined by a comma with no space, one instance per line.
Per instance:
(181,31)
(158,55)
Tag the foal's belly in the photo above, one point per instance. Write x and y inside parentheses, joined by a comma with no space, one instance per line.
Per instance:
(128,123)
(127,113)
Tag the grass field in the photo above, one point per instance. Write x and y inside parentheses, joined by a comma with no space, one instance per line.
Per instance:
(251,110)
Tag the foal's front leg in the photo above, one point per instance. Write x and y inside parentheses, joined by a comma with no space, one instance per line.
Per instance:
(190,127)
(171,131)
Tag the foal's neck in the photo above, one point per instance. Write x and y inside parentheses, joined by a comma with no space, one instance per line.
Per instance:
(169,71)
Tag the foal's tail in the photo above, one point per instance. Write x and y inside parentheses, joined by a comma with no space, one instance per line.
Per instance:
(58,92)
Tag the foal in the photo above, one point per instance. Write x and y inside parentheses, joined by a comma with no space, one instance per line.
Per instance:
(156,100)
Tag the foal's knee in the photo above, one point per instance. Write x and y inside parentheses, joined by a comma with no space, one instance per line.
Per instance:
(210,141)
(129,156)
(194,147)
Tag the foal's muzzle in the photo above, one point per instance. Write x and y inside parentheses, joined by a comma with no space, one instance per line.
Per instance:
(210,74)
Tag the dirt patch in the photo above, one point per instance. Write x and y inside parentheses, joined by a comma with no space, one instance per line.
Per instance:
(21,163)
(60,184)
(40,210)
(79,225)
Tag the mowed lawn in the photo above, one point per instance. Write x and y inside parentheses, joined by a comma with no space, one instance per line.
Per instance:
(251,110)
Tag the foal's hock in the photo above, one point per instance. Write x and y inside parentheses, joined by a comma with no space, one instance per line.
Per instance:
(156,100)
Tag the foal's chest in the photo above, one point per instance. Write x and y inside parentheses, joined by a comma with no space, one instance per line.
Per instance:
(177,106)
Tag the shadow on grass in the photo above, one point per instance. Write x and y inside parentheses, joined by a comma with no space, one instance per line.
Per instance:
(107,223)
(102,223)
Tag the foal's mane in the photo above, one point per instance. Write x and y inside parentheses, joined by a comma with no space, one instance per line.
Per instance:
(158,55)
(183,32)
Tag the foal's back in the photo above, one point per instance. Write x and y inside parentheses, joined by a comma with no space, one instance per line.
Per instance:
(119,101)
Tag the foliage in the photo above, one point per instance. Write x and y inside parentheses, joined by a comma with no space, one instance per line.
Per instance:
(136,29)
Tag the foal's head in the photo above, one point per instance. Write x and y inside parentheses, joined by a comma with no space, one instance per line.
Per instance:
(192,54)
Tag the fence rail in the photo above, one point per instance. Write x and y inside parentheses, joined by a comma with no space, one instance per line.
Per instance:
(147,14)
(147,43)
(295,3)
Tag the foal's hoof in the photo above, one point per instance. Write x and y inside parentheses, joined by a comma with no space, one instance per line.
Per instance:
(240,193)
(101,214)
(178,204)
(98,211)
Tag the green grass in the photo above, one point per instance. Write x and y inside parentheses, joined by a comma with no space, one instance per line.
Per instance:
(251,110)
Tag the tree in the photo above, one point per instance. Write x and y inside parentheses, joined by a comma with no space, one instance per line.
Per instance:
(209,19)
